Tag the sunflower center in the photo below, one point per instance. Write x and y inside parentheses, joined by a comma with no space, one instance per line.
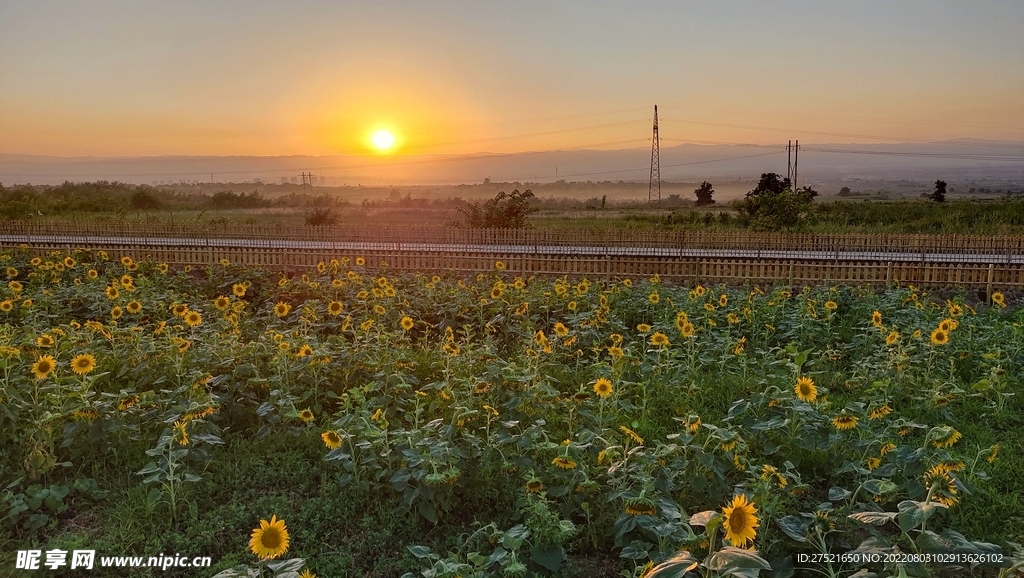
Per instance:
(738,520)
(271,539)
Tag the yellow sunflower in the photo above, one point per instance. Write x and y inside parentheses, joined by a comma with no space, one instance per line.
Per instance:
(643,328)
(880,412)
(831,305)
(654,298)
(179,309)
(876,319)
(687,330)
(603,387)
(193,318)
(892,337)
(116,312)
(222,303)
(360,261)
(92,274)
(723,300)
(563,462)
(44,366)
(999,299)
(805,389)
(238,289)
(940,337)
(534,486)
(6,305)
(560,329)
(845,422)
(133,307)
(83,364)
(331,439)
(112,292)
(740,521)
(632,434)
(306,415)
(334,308)
(44,341)
(659,339)
(946,438)
(270,540)
(407,323)
(282,309)
(379,309)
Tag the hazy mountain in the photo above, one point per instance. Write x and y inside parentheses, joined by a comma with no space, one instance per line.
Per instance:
(955,159)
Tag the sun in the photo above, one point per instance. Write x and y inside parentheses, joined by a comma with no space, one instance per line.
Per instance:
(383,140)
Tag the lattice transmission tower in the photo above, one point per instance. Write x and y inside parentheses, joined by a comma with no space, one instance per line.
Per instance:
(654,188)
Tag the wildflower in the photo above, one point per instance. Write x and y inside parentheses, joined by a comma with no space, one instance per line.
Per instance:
(270,540)
(740,521)
(83,364)
(43,366)
(845,422)
(632,434)
(331,439)
(603,387)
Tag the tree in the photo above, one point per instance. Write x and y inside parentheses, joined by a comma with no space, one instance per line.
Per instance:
(939,196)
(704,193)
(504,211)
(774,206)
(844,192)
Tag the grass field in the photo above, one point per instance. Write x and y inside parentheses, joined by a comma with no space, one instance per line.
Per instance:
(408,425)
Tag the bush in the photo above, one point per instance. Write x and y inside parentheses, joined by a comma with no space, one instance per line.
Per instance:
(321,216)
(504,211)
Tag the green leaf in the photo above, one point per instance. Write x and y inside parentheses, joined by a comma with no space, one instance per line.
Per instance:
(676,566)
(795,527)
(836,494)
(730,558)
(637,550)
(420,551)
(549,556)
(514,537)
(703,518)
(873,518)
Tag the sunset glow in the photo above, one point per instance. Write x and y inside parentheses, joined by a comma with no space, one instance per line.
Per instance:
(383,140)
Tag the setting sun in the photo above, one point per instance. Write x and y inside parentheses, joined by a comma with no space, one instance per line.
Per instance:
(383,140)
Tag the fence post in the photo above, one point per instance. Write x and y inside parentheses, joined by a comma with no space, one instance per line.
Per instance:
(791,274)
(988,286)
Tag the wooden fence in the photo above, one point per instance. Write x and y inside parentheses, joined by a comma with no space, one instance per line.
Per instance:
(674,269)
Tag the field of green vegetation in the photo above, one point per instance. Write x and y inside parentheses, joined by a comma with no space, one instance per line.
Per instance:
(350,421)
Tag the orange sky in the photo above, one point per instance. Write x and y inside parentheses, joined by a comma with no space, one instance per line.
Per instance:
(184,78)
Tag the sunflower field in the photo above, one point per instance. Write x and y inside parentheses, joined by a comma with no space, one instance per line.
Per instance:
(352,421)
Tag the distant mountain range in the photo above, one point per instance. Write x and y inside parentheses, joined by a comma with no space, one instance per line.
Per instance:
(960,159)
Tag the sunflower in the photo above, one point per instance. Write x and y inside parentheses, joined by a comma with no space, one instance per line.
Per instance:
(560,329)
(723,300)
(92,274)
(366,325)
(238,289)
(740,521)
(163,268)
(379,309)
(43,366)
(880,412)
(534,486)
(615,351)
(999,299)
(640,507)
(360,261)
(116,312)
(270,540)
(44,341)
(179,309)
(687,330)
(876,319)
(831,305)
(571,306)
(282,309)
(193,318)
(955,310)
(731,318)
(872,463)
(112,292)
(222,303)
(306,415)
(946,438)
(407,323)
(331,439)
(563,462)
(845,422)
(659,339)
(940,337)
(307,573)
(946,325)
(632,434)
(83,364)
(126,260)
(603,387)
(126,281)
(805,389)
(12,272)
(133,307)
(6,305)
(304,351)
(892,337)
(941,485)
(643,328)
(654,298)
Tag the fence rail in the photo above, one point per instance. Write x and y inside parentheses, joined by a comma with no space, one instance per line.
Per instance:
(721,257)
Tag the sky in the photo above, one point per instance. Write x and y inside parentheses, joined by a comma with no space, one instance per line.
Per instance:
(120,78)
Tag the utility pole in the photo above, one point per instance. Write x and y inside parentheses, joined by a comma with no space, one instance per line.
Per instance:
(789,161)
(796,161)
(655,183)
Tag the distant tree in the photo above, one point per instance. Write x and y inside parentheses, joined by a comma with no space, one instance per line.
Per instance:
(774,206)
(844,192)
(143,201)
(939,196)
(704,193)
(504,211)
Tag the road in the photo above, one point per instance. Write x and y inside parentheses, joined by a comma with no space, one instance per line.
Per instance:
(594,251)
